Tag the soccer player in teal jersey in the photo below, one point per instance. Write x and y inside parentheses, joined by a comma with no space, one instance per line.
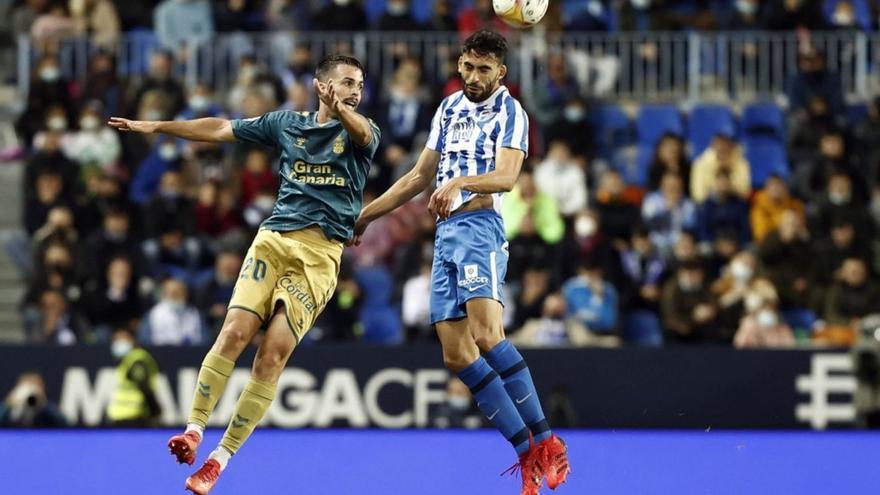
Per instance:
(290,270)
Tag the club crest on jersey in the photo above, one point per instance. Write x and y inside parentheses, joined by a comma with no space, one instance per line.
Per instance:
(463,130)
(300,142)
(472,279)
(339,145)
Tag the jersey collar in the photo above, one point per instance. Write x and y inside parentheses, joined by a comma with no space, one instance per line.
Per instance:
(490,101)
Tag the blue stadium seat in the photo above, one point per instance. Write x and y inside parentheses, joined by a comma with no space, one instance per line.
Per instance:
(856,113)
(642,327)
(704,122)
(611,128)
(653,121)
(379,316)
(763,118)
(766,156)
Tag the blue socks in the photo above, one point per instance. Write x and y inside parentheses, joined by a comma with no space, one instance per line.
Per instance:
(495,403)
(512,369)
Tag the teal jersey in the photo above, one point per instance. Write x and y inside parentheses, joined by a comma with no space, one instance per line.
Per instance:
(322,172)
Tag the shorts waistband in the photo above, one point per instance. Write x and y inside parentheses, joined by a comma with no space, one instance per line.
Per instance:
(468,214)
(312,234)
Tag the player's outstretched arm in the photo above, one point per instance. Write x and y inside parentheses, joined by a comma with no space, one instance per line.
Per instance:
(405,189)
(507,166)
(209,129)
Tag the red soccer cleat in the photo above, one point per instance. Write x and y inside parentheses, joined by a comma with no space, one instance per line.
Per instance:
(554,459)
(205,478)
(529,469)
(184,446)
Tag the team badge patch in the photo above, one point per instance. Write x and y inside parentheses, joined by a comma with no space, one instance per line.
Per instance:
(339,145)
(472,279)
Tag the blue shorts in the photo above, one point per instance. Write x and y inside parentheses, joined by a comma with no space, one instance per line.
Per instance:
(470,260)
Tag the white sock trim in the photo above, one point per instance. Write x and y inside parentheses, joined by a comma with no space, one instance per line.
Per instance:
(196,428)
(221,455)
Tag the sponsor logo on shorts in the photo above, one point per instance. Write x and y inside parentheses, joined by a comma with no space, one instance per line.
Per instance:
(297,290)
(472,279)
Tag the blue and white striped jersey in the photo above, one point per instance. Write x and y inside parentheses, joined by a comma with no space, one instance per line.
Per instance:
(469,135)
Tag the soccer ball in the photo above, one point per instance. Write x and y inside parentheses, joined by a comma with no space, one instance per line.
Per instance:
(520,13)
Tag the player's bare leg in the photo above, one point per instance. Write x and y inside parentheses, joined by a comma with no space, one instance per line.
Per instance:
(550,454)
(271,358)
(462,356)
(238,330)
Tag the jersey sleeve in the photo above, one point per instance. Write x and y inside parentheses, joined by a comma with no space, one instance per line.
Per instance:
(434,136)
(514,127)
(369,150)
(265,129)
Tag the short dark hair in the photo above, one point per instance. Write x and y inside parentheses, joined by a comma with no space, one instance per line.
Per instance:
(485,42)
(330,62)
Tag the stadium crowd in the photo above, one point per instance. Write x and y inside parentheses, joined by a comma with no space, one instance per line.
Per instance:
(144,232)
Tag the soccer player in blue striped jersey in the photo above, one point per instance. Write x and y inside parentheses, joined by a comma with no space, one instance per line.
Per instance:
(476,147)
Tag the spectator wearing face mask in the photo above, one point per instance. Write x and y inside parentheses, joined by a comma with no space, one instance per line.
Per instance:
(27,405)
(458,410)
(840,201)
(591,300)
(165,156)
(172,321)
(134,402)
(552,92)
(341,15)
(730,291)
(560,177)
(687,309)
(94,145)
(844,18)
(585,240)
(573,129)
(49,157)
(201,104)
(762,325)
(48,88)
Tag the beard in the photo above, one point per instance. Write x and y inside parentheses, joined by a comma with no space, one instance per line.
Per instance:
(480,94)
